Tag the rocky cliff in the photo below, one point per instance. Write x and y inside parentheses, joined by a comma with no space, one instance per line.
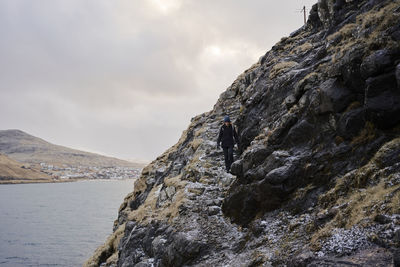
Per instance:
(317,180)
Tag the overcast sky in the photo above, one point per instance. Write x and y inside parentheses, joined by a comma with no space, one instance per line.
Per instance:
(124,77)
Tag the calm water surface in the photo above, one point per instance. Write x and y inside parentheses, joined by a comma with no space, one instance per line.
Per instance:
(57,224)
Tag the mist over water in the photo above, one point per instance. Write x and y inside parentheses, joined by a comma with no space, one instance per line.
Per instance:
(57,224)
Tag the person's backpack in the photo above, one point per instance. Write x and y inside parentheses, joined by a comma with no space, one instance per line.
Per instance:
(233,130)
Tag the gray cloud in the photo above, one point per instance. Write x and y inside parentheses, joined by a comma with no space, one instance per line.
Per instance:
(125,77)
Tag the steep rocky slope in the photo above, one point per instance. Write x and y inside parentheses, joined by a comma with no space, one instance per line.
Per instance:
(317,182)
(26,148)
(12,171)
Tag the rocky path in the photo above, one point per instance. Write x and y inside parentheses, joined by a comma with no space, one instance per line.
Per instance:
(203,208)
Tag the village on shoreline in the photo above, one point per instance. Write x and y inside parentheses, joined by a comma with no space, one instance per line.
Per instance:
(89,172)
(66,173)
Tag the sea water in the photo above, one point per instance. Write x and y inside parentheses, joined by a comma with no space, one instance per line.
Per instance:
(57,224)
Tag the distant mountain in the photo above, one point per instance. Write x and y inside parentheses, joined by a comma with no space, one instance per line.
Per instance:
(12,171)
(29,149)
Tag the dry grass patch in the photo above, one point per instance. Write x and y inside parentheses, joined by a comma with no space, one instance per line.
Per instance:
(302,48)
(380,18)
(108,252)
(281,67)
(302,192)
(312,77)
(345,32)
(196,143)
(366,135)
(338,140)
(149,210)
(289,43)
(353,105)
(359,196)
(372,25)
(307,82)
(13,170)
(199,132)
(357,207)
(146,210)
(395,202)
(341,50)
(367,203)
(319,236)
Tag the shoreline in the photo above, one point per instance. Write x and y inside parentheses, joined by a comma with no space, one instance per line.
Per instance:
(53,181)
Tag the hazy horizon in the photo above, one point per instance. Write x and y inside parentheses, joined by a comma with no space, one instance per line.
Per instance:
(124,78)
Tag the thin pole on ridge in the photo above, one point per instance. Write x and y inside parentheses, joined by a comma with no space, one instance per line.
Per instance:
(304,11)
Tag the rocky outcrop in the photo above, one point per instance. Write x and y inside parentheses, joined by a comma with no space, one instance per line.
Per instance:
(317,179)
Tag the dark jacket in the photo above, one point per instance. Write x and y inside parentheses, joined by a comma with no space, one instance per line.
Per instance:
(228,136)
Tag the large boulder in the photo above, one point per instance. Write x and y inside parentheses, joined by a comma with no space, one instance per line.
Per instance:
(349,66)
(376,63)
(350,123)
(159,241)
(378,84)
(299,133)
(384,109)
(270,184)
(334,96)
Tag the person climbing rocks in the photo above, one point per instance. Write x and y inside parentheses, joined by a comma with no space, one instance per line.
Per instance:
(227,138)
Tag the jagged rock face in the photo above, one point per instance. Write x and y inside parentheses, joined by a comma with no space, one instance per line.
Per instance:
(317,179)
(315,111)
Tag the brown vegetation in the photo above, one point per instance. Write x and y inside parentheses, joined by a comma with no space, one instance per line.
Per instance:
(281,67)
(12,171)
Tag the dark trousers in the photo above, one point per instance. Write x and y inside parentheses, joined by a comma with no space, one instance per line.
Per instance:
(228,154)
